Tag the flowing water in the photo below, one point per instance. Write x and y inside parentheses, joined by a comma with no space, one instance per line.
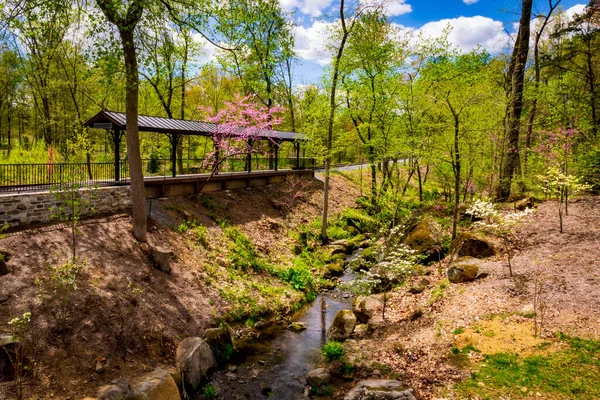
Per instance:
(275,367)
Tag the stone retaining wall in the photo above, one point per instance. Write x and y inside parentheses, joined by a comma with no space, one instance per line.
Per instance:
(34,208)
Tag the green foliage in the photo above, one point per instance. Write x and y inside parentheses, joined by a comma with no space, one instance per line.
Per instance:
(241,251)
(359,220)
(458,331)
(438,292)
(333,350)
(568,373)
(210,392)
(154,164)
(201,233)
(64,277)
(19,326)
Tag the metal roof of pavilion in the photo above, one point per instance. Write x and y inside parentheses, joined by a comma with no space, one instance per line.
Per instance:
(116,120)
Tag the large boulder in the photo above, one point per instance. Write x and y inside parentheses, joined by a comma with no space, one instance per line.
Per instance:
(464,269)
(342,326)
(4,258)
(195,359)
(7,352)
(380,389)
(525,203)
(318,377)
(157,385)
(161,258)
(365,307)
(426,239)
(220,342)
(334,269)
(117,390)
(470,245)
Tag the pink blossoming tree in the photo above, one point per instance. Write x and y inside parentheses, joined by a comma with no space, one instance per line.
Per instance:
(237,126)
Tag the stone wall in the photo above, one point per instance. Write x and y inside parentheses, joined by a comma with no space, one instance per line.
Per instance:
(34,208)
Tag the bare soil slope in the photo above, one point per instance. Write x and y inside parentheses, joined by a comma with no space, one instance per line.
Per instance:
(126,314)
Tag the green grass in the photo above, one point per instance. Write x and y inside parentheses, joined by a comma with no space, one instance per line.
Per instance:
(570,373)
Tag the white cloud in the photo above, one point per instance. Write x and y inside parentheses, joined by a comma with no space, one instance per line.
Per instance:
(311,43)
(469,32)
(576,9)
(391,8)
(469,2)
(314,8)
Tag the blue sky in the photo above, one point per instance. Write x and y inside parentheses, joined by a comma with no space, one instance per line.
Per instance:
(474,22)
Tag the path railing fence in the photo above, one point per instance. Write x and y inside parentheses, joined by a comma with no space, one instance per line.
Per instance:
(32,177)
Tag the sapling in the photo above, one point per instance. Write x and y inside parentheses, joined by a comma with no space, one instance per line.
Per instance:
(18,328)
(71,206)
(498,224)
(554,182)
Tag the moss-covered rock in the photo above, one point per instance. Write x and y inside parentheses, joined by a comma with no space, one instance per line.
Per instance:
(426,239)
(334,269)
(470,244)
(464,269)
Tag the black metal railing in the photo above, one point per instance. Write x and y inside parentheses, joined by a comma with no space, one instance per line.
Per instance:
(32,177)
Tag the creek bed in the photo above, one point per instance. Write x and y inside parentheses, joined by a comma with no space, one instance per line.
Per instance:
(275,367)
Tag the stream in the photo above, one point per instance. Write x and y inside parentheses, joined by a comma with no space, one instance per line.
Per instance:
(275,367)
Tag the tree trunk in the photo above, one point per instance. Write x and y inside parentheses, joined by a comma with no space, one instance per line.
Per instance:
(138,190)
(516,101)
(334,81)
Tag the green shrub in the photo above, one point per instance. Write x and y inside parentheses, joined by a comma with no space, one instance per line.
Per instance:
(201,233)
(360,220)
(241,252)
(333,350)
(210,392)
(153,164)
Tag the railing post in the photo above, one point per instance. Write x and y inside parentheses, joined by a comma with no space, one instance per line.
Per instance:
(276,155)
(116,134)
(297,155)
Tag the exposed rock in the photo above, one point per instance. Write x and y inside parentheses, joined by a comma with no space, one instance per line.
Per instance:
(419,287)
(145,248)
(365,307)
(525,203)
(219,340)
(7,347)
(176,375)
(117,390)
(318,377)
(100,366)
(482,275)
(157,385)
(4,258)
(380,389)
(470,245)
(426,239)
(194,358)
(161,258)
(334,269)
(464,269)
(416,315)
(297,326)
(333,250)
(342,326)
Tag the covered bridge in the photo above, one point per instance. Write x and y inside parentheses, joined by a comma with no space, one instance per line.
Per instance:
(115,124)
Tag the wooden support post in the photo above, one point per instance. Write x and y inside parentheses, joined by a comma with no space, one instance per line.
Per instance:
(297,155)
(174,138)
(116,136)
(276,155)
(249,156)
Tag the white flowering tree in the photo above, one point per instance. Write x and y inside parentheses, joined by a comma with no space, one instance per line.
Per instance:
(497,223)
(397,263)
(556,183)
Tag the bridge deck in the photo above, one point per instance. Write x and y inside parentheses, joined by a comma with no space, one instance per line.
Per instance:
(198,183)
